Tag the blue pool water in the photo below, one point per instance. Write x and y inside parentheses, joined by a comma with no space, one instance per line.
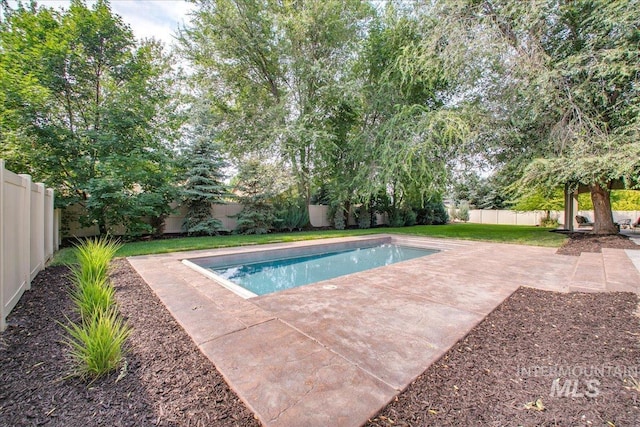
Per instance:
(270,276)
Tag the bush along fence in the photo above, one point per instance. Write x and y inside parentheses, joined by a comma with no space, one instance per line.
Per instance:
(29,235)
(226,214)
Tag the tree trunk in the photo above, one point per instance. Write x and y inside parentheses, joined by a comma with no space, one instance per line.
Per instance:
(603,218)
(102,228)
(102,224)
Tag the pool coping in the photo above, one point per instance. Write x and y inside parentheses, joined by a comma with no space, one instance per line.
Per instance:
(314,355)
(204,264)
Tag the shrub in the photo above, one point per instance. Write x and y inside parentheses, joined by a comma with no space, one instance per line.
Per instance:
(404,217)
(364,217)
(549,220)
(433,213)
(292,217)
(199,226)
(396,219)
(453,212)
(258,185)
(97,344)
(339,222)
(409,217)
(255,219)
(463,212)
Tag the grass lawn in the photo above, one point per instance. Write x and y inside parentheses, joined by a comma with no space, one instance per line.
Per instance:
(518,234)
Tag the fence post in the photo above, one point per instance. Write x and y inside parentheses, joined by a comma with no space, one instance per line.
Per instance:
(49,225)
(40,229)
(25,213)
(56,228)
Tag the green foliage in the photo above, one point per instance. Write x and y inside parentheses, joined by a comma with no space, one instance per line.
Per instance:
(352,98)
(549,221)
(363,217)
(432,213)
(409,217)
(93,257)
(96,341)
(258,184)
(625,200)
(91,296)
(272,71)
(403,217)
(480,192)
(565,103)
(197,224)
(97,344)
(87,110)
(396,218)
(256,219)
(453,212)
(538,199)
(463,212)
(339,218)
(291,215)
(408,132)
(113,201)
(204,187)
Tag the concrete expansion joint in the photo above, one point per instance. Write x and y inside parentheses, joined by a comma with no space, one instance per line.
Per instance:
(300,399)
(346,359)
(575,268)
(234,331)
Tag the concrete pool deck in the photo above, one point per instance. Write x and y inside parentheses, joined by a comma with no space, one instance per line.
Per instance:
(335,352)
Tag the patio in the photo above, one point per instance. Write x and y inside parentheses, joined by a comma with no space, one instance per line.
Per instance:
(320,355)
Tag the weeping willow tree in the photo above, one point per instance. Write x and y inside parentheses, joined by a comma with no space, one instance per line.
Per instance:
(405,130)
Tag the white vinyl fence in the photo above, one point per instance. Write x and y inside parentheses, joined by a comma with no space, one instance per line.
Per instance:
(506,217)
(29,235)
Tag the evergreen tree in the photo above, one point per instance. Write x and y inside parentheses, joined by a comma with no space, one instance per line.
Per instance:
(258,184)
(203,188)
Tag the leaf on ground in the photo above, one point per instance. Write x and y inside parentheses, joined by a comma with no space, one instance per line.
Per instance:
(536,406)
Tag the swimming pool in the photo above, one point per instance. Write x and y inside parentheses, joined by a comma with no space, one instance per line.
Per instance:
(265,273)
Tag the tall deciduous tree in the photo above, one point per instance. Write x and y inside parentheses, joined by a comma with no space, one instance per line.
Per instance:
(409,128)
(275,64)
(568,99)
(88,110)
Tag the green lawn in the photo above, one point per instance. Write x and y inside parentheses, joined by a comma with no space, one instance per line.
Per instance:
(517,234)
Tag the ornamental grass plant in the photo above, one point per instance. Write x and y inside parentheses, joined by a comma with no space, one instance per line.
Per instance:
(91,296)
(96,345)
(97,339)
(93,257)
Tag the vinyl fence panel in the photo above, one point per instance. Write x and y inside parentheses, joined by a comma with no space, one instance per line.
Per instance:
(28,238)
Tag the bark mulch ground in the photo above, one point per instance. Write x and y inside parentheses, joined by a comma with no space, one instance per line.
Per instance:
(585,242)
(502,373)
(167,381)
